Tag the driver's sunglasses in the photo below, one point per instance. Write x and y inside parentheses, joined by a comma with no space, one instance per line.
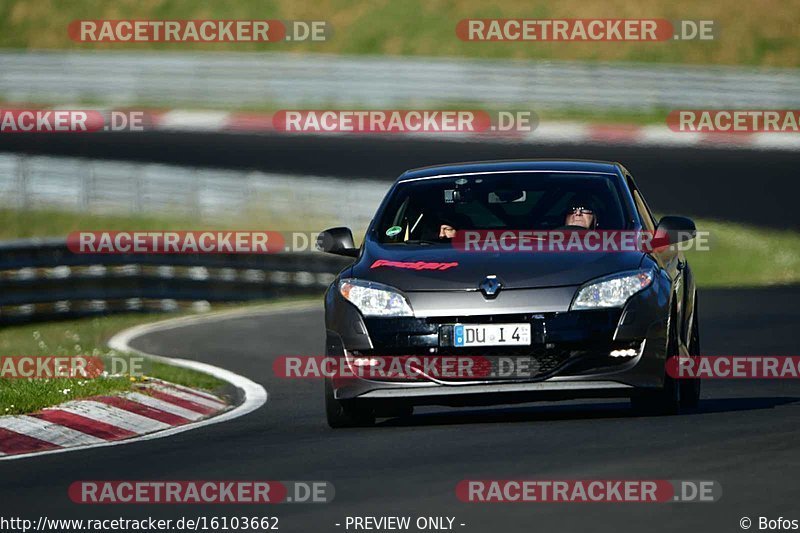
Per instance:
(580,211)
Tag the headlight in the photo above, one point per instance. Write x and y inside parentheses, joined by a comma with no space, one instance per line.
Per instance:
(612,291)
(374,299)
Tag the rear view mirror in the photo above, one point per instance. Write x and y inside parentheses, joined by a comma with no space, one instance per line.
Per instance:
(457,196)
(337,241)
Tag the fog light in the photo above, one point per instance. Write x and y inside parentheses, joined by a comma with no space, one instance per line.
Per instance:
(623,353)
(628,352)
(364,361)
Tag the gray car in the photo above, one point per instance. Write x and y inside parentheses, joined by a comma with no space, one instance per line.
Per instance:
(443,277)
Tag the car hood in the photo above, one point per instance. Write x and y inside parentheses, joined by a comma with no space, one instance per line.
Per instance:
(438,268)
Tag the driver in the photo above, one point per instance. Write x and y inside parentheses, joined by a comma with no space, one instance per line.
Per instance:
(446,231)
(449,224)
(581,214)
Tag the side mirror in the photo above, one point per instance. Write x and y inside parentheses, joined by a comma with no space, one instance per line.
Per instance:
(337,241)
(676,229)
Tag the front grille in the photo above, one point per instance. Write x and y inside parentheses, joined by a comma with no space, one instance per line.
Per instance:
(529,362)
(483,364)
(560,342)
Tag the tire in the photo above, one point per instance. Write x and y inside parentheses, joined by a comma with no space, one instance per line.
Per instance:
(346,413)
(690,388)
(666,400)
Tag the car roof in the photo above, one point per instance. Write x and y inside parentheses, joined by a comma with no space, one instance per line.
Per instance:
(577,165)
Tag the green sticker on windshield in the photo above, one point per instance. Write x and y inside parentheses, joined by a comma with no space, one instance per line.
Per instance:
(394,230)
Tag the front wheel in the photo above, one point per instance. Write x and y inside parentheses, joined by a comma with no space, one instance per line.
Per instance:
(346,413)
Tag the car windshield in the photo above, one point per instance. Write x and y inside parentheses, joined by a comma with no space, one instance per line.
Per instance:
(418,209)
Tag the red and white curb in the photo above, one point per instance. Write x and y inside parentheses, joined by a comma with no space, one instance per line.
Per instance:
(154,406)
(161,410)
(546,133)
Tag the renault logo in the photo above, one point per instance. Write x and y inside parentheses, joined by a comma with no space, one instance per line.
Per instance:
(490,287)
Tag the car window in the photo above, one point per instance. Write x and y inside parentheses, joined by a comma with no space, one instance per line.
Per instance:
(517,200)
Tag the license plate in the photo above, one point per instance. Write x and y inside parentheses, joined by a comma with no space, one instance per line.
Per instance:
(491,334)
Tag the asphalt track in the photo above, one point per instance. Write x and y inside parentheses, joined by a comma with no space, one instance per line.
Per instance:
(746,185)
(744,435)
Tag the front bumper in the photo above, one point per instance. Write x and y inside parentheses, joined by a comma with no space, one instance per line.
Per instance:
(570,351)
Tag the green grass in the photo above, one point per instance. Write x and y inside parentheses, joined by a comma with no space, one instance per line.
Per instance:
(85,337)
(604,116)
(746,256)
(750,32)
(23,224)
(89,337)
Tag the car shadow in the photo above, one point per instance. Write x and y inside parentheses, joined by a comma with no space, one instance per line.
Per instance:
(591,411)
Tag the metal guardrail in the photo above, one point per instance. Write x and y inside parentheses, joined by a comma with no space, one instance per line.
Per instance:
(84,185)
(44,280)
(248,79)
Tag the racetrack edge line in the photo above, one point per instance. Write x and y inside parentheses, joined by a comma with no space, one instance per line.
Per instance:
(254,394)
